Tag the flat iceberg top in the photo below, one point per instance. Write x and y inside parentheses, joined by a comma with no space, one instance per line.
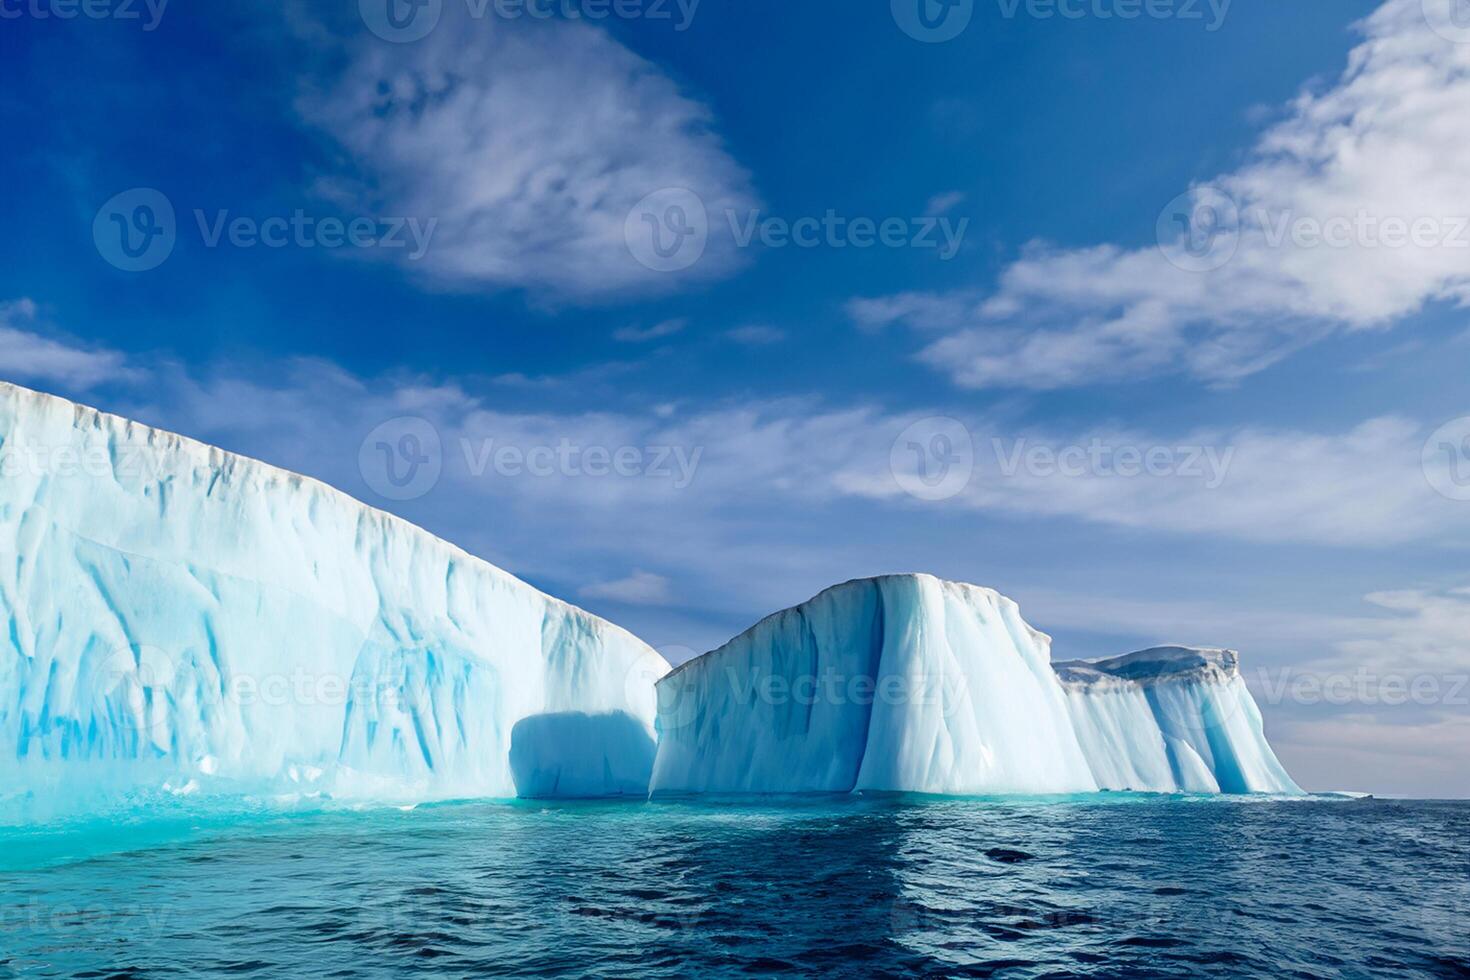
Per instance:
(169,454)
(850,591)
(1169,663)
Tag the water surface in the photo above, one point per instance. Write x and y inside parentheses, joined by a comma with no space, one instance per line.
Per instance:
(1096,886)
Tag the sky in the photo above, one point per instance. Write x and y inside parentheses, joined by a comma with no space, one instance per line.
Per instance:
(1150,315)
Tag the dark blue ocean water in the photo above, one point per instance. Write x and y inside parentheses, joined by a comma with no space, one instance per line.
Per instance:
(1132,886)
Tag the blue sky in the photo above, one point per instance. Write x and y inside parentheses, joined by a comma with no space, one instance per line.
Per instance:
(768,396)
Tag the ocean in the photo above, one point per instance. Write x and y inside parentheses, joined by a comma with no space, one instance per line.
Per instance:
(1104,886)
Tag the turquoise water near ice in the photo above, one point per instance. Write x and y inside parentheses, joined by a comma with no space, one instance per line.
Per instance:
(862,887)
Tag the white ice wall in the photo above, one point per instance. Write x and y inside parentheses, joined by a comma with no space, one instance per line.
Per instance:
(908,683)
(904,683)
(1172,719)
(170,609)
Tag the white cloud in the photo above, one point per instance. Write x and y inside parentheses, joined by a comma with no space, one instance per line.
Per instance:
(1428,631)
(530,143)
(1425,758)
(640,335)
(28,356)
(756,335)
(639,589)
(1376,162)
(944,203)
(1363,486)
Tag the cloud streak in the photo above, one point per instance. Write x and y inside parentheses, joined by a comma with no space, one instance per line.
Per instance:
(1349,214)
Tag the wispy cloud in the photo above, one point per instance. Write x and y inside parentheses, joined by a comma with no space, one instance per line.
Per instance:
(944,203)
(641,335)
(639,589)
(1349,214)
(28,355)
(756,335)
(530,144)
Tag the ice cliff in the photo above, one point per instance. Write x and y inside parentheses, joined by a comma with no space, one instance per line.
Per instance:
(170,612)
(173,615)
(908,683)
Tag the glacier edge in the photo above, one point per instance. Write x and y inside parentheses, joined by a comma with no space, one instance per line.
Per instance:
(176,610)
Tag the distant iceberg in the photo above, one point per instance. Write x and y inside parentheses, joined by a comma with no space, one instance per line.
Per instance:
(911,684)
(172,613)
(1171,719)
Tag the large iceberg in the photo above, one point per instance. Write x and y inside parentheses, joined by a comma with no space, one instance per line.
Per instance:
(174,614)
(911,684)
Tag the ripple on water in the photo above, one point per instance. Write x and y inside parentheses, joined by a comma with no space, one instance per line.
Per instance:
(856,887)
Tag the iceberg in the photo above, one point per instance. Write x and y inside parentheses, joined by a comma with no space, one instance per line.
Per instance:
(1171,719)
(174,617)
(912,684)
(172,614)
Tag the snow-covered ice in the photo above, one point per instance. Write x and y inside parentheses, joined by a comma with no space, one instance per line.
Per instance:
(170,612)
(908,683)
(176,617)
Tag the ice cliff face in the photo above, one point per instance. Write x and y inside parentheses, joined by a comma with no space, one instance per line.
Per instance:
(173,615)
(903,683)
(1171,719)
(908,683)
(171,611)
